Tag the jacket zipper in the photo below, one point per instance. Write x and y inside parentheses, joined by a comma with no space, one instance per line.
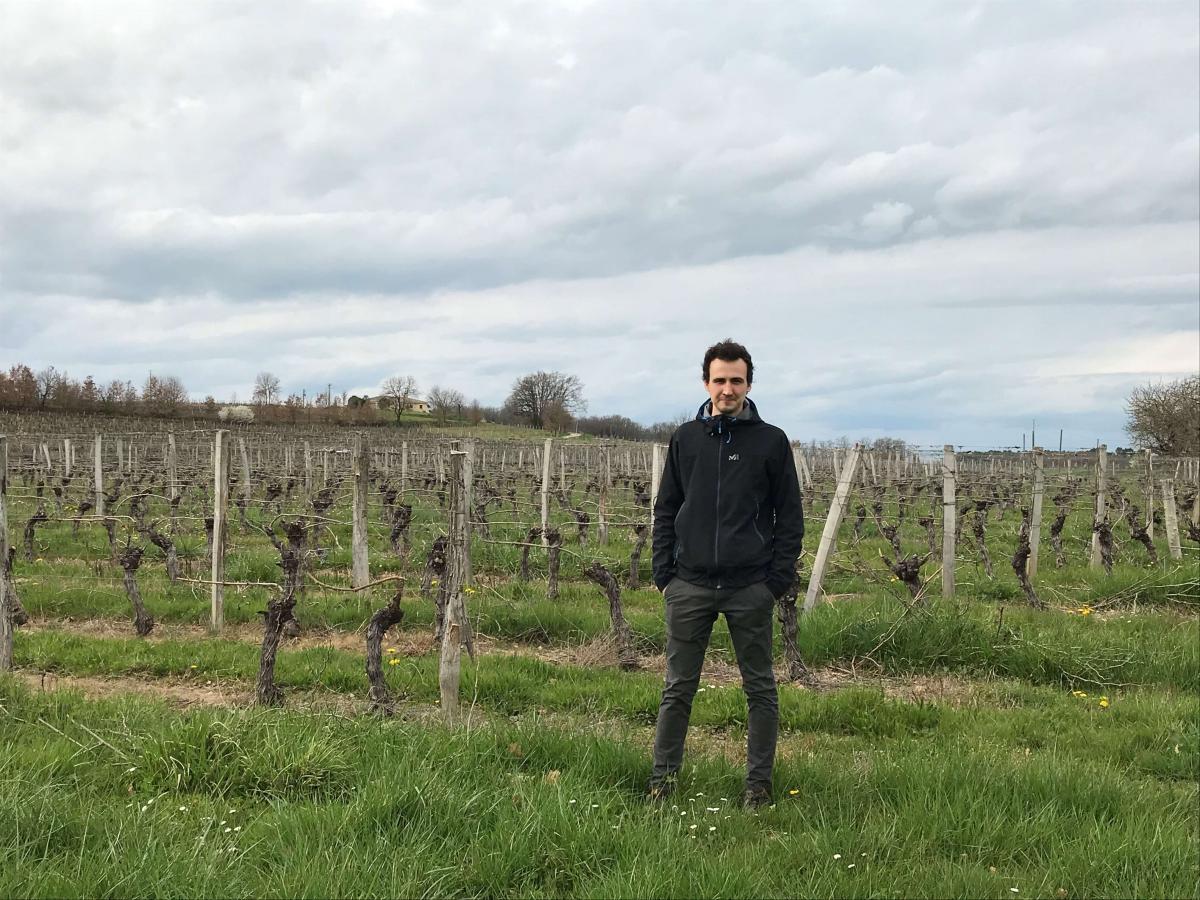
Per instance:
(717,524)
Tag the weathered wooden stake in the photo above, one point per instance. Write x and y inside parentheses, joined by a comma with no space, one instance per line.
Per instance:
(220,528)
(172,474)
(1035,522)
(546,491)
(245,474)
(1170,518)
(656,470)
(832,522)
(1150,493)
(360,572)
(457,631)
(1101,503)
(949,518)
(602,506)
(99,475)
(469,490)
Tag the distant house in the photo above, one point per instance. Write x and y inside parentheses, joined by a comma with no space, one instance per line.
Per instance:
(414,405)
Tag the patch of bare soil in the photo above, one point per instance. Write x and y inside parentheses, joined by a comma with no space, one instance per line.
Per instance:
(187,694)
(944,689)
(183,694)
(406,643)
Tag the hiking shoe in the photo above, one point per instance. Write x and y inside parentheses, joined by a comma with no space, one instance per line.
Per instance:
(756,797)
(660,791)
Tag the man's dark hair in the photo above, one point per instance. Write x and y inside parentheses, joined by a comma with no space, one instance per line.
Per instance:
(730,351)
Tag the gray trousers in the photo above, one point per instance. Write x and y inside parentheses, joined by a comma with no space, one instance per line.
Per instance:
(691,612)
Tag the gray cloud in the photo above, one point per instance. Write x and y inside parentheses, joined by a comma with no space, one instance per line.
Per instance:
(889,200)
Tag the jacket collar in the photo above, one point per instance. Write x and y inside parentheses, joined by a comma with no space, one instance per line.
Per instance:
(724,425)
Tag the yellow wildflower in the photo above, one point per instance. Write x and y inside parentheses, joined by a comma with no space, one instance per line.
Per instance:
(793,792)
(391,649)
(1104,703)
(1078,694)
(393,661)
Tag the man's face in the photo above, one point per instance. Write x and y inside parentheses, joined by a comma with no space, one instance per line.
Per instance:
(727,386)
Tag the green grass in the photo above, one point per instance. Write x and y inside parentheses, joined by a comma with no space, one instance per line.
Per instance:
(1151,731)
(125,797)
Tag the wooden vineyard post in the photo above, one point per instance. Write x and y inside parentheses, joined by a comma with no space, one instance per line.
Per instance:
(1196,499)
(1101,502)
(220,528)
(308,468)
(1170,518)
(798,461)
(6,625)
(457,628)
(1150,493)
(949,518)
(468,479)
(832,521)
(403,468)
(99,474)
(244,475)
(1035,523)
(546,491)
(656,470)
(66,457)
(602,506)
(360,573)
(172,473)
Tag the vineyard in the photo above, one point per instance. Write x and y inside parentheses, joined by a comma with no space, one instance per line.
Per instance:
(288,659)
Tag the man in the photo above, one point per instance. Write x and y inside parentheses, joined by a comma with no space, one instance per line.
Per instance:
(727,530)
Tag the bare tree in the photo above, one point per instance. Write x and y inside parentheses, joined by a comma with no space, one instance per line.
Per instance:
(1165,417)
(266,388)
(400,389)
(47,381)
(542,396)
(443,402)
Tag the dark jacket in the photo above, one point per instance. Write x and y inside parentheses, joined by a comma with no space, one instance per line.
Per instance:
(728,512)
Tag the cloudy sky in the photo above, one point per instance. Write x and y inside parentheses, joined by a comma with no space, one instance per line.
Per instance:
(937,221)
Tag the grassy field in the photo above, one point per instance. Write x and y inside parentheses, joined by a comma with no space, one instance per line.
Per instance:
(974,747)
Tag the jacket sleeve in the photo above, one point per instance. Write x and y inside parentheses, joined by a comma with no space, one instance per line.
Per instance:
(789,523)
(670,498)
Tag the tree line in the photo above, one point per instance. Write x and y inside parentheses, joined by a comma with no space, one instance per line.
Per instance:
(1163,417)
